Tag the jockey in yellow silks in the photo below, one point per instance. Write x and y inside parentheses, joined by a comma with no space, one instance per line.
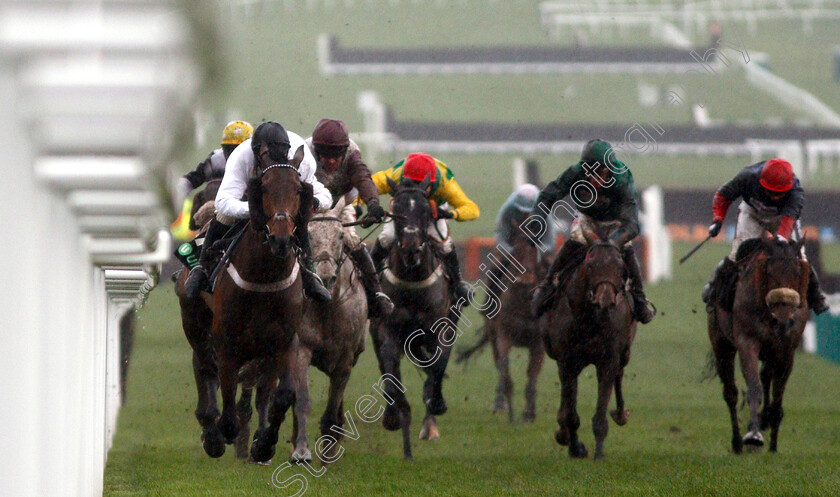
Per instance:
(452,203)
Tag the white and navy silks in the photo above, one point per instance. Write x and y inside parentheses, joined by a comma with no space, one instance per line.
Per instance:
(240,167)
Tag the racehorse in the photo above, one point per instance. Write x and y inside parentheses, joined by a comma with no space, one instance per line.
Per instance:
(332,335)
(592,324)
(766,324)
(257,304)
(514,326)
(197,321)
(415,283)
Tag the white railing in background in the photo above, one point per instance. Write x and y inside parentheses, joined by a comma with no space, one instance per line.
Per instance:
(92,90)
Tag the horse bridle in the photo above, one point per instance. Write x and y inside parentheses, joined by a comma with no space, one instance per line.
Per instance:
(604,282)
(324,256)
(422,229)
(280,215)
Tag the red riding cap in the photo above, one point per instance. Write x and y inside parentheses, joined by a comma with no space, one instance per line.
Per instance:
(418,166)
(777,175)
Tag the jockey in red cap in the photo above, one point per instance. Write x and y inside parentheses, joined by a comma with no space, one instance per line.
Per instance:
(772,201)
(452,204)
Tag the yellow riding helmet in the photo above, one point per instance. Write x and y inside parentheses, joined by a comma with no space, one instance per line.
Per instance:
(236,132)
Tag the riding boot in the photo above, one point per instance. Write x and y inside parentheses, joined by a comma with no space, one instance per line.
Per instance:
(723,278)
(816,299)
(453,269)
(379,305)
(313,287)
(199,275)
(378,254)
(641,309)
(544,292)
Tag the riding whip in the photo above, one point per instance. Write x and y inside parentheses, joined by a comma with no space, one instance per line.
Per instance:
(695,249)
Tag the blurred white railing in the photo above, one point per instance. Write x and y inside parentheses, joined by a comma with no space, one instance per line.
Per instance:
(91,93)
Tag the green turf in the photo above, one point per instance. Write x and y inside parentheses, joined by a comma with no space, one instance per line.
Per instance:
(676,443)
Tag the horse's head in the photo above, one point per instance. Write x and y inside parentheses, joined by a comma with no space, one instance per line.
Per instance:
(605,273)
(413,214)
(278,201)
(327,241)
(781,277)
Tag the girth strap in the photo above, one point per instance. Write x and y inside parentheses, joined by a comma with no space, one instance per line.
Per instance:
(277,286)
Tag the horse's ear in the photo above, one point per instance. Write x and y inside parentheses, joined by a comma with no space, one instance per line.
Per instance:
(298,157)
(590,236)
(425,183)
(339,206)
(767,237)
(391,184)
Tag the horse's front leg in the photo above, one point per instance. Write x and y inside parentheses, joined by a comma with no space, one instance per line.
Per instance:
(748,349)
(504,388)
(228,379)
(606,373)
(332,421)
(243,412)
(303,407)
(621,415)
(398,411)
(767,368)
(567,417)
(535,360)
(776,412)
(282,399)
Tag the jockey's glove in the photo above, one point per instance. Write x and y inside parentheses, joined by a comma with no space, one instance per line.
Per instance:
(375,213)
(445,213)
(714,229)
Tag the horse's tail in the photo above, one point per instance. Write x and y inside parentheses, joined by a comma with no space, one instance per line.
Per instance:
(465,354)
(710,368)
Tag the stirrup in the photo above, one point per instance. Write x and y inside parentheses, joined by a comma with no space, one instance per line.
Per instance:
(196,282)
(380,305)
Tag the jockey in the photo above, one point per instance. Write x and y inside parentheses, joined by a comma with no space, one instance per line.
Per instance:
(516,209)
(772,201)
(443,190)
(605,195)
(270,138)
(213,166)
(343,172)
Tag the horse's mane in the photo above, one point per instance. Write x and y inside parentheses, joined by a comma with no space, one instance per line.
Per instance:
(772,248)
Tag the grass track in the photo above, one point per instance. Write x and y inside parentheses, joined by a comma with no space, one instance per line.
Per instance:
(675,444)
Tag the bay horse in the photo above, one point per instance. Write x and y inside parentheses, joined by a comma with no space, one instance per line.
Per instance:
(332,335)
(765,326)
(258,305)
(422,323)
(592,324)
(197,322)
(514,326)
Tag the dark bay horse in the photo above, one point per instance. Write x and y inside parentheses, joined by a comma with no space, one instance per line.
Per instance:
(197,322)
(257,305)
(418,326)
(514,326)
(591,324)
(332,335)
(766,325)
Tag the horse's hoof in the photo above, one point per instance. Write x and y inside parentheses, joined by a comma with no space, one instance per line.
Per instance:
(436,406)
(429,433)
(578,451)
(229,428)
(391,418)
(213,442)
(561,436)
(528,416)
(737,445)
(500,405)
(261,453)
(301,455)
(754,438)
(620,418)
